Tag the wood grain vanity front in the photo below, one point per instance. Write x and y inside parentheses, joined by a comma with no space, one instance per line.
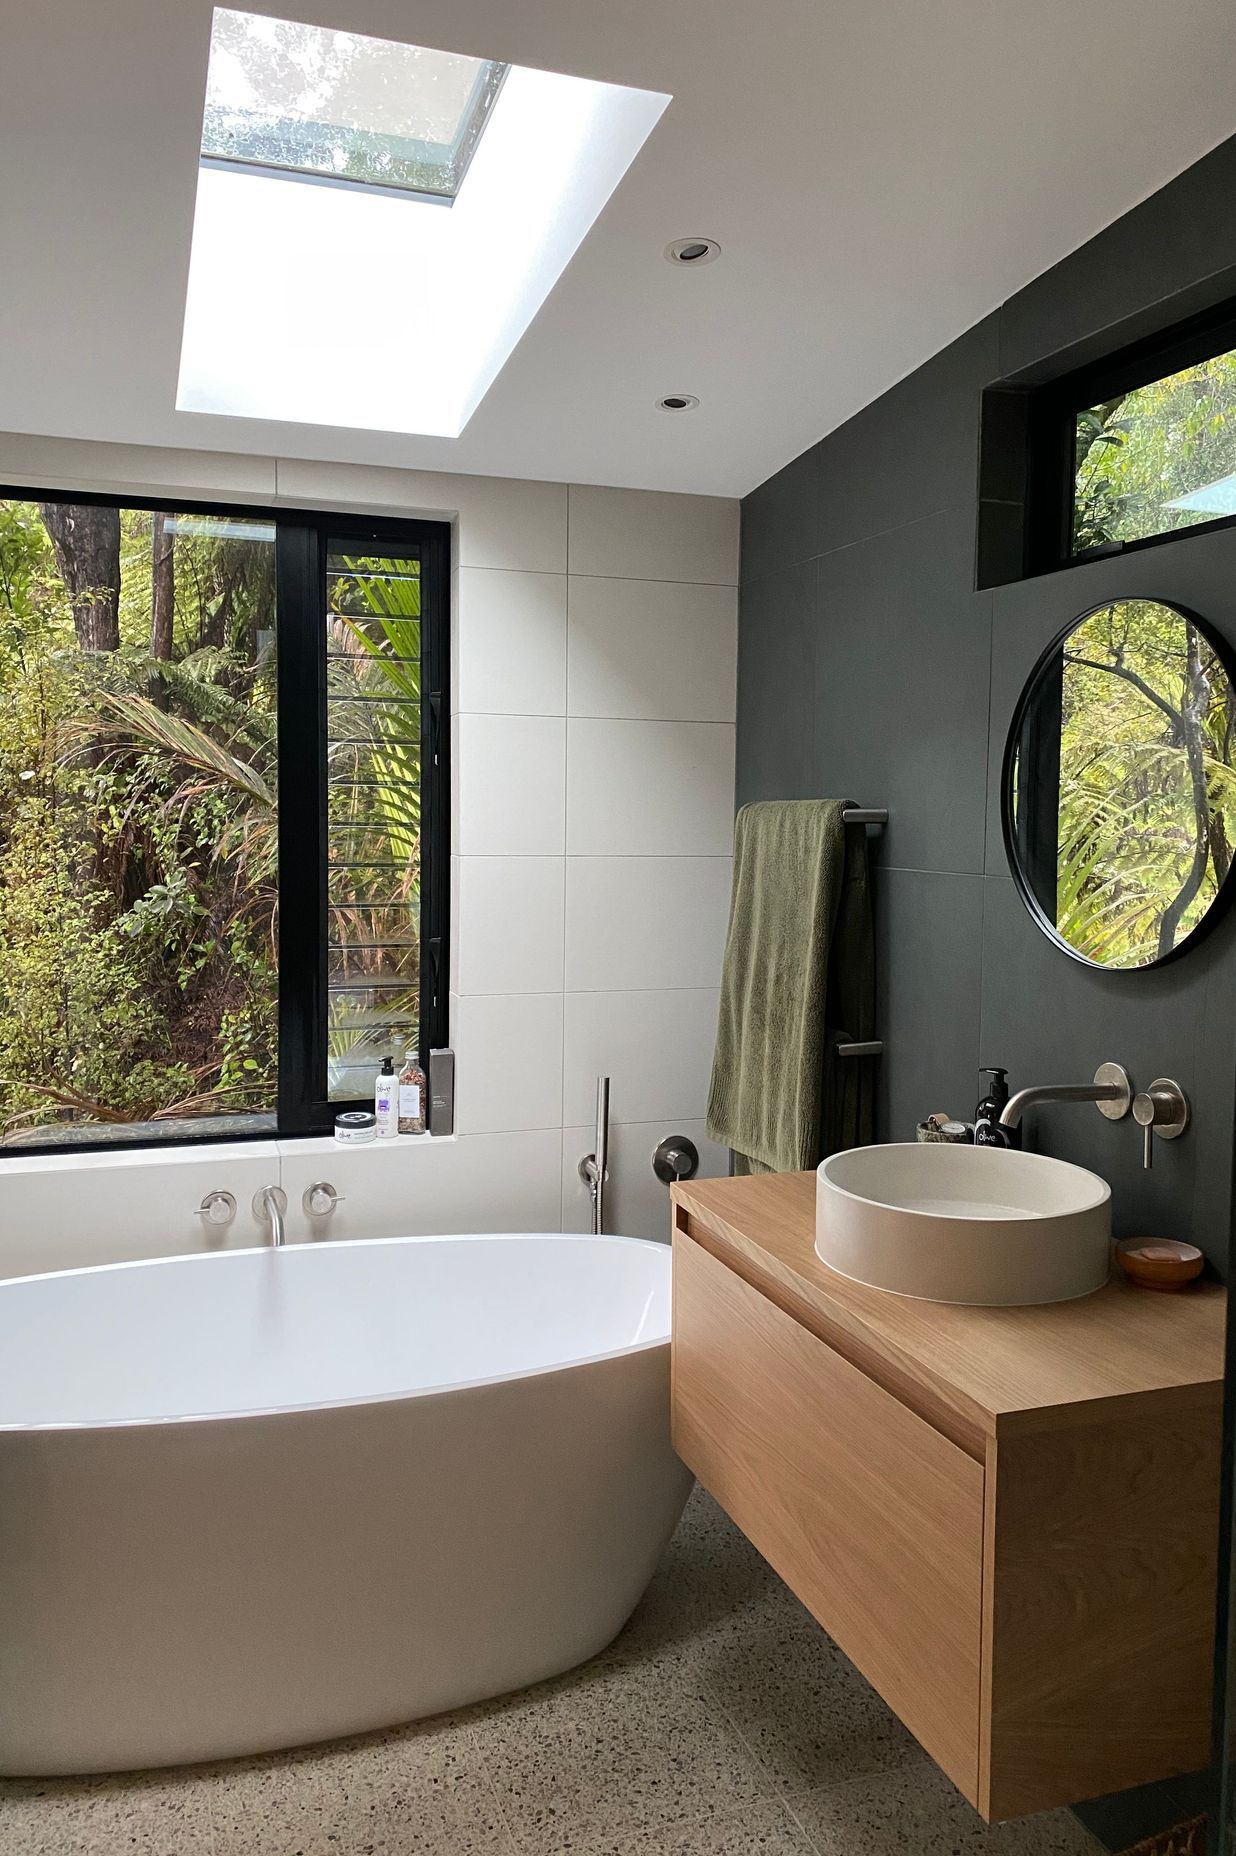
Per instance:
(1006,1518)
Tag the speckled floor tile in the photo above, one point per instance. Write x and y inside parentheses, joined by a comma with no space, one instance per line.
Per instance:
(767,1829)
(917,1812)
(723,1722)
(710,1579)
(803,1709)
(408,1793)
(143,1816)
(626,1750)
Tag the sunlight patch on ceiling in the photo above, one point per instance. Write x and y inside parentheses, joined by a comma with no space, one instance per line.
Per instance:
(377,225)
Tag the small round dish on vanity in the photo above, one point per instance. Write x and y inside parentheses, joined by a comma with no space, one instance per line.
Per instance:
(1159,1262)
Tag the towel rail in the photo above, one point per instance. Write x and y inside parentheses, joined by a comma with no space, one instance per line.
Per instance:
(865,815)
(872,1047)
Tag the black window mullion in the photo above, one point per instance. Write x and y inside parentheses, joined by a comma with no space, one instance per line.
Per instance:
(301,637)
(435,793)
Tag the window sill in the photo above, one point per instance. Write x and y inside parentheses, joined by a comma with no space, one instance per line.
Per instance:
(14,1162)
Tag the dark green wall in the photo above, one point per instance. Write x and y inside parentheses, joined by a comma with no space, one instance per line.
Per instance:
(870,669)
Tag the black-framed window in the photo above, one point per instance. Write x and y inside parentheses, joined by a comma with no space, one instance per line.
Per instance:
(224,815)
(1135,449)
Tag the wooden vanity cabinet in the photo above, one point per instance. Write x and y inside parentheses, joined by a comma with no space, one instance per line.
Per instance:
(1006,1518)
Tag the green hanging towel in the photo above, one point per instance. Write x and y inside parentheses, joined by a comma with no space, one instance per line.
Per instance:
(798,978)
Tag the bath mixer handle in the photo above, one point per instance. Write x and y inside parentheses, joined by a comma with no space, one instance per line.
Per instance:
(320,1199)
(217,1208)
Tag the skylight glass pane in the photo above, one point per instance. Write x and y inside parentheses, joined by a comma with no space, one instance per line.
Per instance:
(329,104)
(448,294)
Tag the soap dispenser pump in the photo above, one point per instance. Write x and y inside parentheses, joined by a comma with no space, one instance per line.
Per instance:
(987,1131)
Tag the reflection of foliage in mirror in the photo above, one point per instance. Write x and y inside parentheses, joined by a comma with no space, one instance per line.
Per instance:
(1137,452)
(1147,791)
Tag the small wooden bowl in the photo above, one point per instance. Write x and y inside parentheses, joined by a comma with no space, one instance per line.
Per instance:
(1159,1262)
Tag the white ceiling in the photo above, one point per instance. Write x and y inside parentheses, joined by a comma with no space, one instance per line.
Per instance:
(880,174)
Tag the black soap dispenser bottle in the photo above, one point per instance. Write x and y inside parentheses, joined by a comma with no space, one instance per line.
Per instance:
(987,1129)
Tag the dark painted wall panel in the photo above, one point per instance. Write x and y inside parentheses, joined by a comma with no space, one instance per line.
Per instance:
(1169,258)
(870,668)
(902,651)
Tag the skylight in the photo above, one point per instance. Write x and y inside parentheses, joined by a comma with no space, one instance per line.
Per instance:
(307,100)
(365,304)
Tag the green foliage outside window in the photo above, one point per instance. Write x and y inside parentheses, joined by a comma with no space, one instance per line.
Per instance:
(137,818)
(1137,452)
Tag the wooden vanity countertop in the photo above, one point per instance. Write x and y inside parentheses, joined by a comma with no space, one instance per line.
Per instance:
(976,1373)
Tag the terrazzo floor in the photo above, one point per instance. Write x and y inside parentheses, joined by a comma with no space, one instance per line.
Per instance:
(723,1722)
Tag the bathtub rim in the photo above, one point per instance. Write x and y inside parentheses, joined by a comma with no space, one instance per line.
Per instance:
(79,1427)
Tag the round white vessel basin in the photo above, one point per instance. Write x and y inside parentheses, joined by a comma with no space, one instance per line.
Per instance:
(949,1223)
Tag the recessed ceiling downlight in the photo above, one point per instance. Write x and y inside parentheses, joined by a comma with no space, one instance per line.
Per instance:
(678,402)
(693,251)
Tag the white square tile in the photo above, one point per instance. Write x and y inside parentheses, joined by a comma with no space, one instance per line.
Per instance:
(655,1047)
(653,535)
(510,922)
(509,522)
(636,1202)
(655,649)
(645,921)
(652,789)
(510,784)
(508,1062)
(511,630)
(508,1182)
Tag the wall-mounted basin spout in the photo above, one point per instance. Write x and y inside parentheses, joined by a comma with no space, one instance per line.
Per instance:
(1111,1091)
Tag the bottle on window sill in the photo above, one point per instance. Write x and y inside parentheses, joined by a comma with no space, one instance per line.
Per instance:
(386,1101)
(412,1096)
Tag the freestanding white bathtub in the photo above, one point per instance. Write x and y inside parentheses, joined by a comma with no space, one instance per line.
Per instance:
(254,1499)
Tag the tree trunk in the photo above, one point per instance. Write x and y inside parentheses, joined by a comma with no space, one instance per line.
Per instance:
(162,587)
(86,540)
(1195,697)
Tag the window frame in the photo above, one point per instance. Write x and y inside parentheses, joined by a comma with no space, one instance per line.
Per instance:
(1052,435)
(303,537)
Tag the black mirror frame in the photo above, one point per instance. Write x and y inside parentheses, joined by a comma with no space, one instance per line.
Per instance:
(1227,889)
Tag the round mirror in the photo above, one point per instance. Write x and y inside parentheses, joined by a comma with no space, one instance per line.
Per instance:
(1119,790)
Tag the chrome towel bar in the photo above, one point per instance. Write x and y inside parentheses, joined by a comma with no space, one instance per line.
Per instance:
(865,815)
(871,1047)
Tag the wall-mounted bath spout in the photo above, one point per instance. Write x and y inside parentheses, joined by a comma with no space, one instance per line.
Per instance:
(269,1205)
(594,1167)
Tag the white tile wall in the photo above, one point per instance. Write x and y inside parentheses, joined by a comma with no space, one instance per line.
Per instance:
(656,1048)
(512,642)
(645,921)
(651,650)
(480,1182)
(653,535)
(663,789)
(510,918)
(510,785)
(69,1211)
(511,1075)
(592,809)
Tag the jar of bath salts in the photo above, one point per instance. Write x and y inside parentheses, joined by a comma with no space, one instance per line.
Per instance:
(412,1096)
